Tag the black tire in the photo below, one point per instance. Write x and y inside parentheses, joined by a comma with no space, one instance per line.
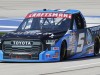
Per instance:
(63,52)
(96,46)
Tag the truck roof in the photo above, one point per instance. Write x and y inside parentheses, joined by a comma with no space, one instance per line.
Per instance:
(69,11)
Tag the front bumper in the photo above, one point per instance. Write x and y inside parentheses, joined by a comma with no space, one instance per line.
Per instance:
(45,56)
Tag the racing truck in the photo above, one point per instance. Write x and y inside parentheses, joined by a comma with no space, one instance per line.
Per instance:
(50,35)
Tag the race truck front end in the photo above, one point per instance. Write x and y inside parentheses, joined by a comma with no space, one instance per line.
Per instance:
(37,39)
(29,48)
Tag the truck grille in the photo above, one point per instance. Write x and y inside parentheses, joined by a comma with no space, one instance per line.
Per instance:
(18,49)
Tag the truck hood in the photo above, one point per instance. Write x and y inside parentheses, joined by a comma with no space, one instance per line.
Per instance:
(34,34)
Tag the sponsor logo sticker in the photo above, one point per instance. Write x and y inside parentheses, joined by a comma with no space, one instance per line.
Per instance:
(52,15)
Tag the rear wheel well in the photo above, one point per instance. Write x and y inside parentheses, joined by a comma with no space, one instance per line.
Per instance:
(96,45)
(63,50)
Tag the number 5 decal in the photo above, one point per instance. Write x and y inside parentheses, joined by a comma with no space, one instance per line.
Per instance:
(80,42)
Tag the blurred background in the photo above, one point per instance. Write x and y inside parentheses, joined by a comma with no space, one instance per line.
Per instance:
(12,12)
(19,8)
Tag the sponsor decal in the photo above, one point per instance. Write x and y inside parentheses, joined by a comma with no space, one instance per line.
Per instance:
(90,51)
(21,43)
(55,15)
(37,32)
(56,55)
(48,55)
(72,41)
(52,42)
(55,48)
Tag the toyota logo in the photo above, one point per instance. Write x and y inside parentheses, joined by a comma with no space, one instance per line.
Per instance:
(22,43)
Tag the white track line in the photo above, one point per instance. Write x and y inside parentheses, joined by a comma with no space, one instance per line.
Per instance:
(81,65)
(8,26)
(6,30)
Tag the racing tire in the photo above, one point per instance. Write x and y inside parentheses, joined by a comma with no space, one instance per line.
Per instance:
(96,46)
(63,52)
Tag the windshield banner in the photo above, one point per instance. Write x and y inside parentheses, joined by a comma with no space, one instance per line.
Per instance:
(51,15)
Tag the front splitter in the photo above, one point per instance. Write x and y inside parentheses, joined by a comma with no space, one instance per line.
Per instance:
(27,61)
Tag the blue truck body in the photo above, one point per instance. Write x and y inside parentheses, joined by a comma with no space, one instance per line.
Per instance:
(50,35)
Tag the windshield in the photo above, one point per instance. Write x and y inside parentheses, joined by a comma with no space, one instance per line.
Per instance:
(47,24)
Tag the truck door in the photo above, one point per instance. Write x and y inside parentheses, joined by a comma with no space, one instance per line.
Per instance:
(78,33)
(83,44)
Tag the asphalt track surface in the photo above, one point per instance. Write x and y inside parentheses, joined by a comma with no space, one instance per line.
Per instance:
(84,66)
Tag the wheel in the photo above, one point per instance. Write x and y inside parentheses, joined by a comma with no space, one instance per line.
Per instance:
(96,46)
(63,52)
